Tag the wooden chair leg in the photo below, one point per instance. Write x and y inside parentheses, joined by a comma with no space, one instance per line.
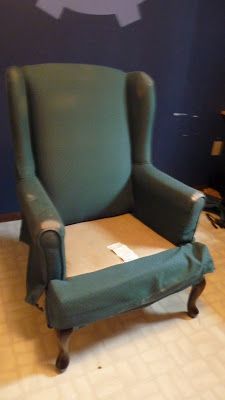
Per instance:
(194,295)
(63,358)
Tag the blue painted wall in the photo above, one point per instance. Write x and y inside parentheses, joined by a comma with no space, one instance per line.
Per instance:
(180,43)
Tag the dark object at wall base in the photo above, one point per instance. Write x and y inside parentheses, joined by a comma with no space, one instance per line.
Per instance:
(218,182)
(217,207)
(10,217)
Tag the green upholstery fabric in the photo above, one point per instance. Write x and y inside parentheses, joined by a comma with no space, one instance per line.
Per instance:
(46,232)
(90,297)
(78,118)
(82,139)
(141,111)
(168,206)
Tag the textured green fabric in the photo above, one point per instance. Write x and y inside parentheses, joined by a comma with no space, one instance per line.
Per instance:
(79,120)
(19,116)
(86,298)
(41,215)
(169,207)
(141,111)
(46,232)
(166,205)
(82,140)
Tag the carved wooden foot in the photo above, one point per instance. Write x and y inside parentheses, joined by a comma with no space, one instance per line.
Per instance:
(63,358)
(194,295)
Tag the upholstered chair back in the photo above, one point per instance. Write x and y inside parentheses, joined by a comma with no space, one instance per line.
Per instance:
(79,137)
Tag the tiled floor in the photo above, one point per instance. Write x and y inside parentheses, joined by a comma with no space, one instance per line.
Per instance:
(156,353)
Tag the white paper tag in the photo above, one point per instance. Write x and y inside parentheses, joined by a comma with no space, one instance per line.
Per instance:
(123,251)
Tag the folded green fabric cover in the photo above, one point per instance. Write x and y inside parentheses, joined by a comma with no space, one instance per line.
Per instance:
(90,297)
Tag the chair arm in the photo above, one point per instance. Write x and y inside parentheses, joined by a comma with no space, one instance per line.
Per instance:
(38,210)
(166,205)
(46,231)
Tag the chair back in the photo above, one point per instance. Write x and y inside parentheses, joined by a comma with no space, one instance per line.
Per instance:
(79,137)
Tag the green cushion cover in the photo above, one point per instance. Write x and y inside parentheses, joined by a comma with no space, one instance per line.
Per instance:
(86,298)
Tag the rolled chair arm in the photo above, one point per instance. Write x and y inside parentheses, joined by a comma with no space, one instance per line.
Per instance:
(46,232)
(38,210)
(166,205)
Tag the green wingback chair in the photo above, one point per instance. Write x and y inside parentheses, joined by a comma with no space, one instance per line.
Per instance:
(85,180)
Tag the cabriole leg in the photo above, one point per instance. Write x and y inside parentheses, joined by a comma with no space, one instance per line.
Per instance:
(194,295)
(63,359)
